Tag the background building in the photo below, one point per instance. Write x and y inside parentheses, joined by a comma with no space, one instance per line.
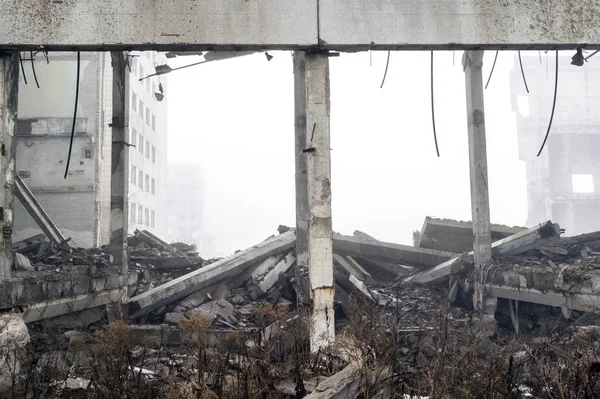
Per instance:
(185,205)
(148,154)
(563,183)
(80,204)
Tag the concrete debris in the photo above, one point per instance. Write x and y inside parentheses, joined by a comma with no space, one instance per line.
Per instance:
(537,275)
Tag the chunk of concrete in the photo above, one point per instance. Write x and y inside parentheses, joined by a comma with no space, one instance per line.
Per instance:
(268,273)
(342,385)
(22,263)
(198,279)
(352,268)
(173,318)
(217,309)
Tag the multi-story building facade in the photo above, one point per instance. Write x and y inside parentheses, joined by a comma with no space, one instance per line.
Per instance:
(148,151)
(185,206)
(80,204)
(563,183)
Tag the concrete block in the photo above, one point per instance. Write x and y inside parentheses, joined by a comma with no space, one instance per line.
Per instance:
(23,263)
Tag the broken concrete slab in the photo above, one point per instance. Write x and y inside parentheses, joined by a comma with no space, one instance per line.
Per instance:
(45,310)
(180,287)
(194,300)
(389,252)
(221,308)
(514,245)
(351,267)
(342,385)
(258,275)
(456,236)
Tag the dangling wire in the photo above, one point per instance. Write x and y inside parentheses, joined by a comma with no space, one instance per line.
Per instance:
(437,150)
(22,69)
(74,114)
(492,70)
(553,106)
(33,69)
(387,64)
(522,71)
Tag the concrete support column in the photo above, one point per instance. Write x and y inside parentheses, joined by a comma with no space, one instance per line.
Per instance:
(9,88)
(119,188)
(480,202)
(313,184)
(301,173)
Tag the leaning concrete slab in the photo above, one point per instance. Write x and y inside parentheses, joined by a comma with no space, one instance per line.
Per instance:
(264,277)
(514,245)
(46,310)
(201,278)
(351,267)
(456,236)
(388,252)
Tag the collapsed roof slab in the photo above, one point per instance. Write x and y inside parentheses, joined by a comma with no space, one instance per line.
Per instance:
(180,287)
(457,236)
(516,244)
(389,252)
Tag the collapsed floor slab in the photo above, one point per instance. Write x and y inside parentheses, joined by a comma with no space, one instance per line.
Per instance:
(516,244)
(389,252)
(180,287)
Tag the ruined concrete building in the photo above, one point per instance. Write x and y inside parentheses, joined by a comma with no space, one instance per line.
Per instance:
(563,184)
(185,210)
(80,204)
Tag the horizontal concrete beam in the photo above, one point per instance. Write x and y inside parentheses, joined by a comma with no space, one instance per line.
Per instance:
(180,287)
(389,252)
(46,310)
(291,24)
(581,302)
(514,245)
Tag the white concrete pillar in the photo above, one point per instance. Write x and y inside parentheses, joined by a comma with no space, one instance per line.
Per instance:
(119,189)
(319,228)
(9,88)
(301,173)
(480,202)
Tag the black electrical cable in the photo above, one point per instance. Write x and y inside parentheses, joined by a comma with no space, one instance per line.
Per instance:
(387,64)
(553,106)
(522,71)
(22,68)
(492,70)
(74,114)
(33,69)
(437,150)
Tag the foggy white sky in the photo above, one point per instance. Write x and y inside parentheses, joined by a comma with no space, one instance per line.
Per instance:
(236,119)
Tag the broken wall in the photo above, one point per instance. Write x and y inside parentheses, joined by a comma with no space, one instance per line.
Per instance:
(43,137)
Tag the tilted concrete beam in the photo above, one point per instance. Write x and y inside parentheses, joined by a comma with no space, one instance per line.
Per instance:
(581,302)
(201,278)
(514,245)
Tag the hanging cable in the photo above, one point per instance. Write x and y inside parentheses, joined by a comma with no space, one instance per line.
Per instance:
(387,64)
(553,106)
(33,69)
(492,70)
(522,71)
(22,69)
(437,150)
(74,114)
